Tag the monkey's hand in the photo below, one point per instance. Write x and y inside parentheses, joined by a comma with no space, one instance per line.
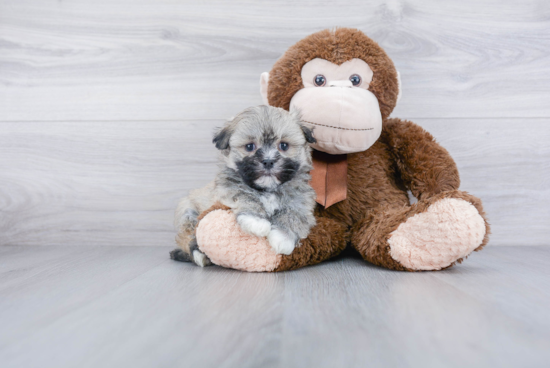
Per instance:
(282,242)
(254,225)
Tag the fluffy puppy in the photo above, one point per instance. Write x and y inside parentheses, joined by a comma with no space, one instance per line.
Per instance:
(264,180)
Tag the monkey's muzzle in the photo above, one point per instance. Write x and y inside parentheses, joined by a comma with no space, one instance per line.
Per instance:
(344,119)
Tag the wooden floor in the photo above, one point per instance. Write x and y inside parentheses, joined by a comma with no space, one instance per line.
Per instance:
(133,307)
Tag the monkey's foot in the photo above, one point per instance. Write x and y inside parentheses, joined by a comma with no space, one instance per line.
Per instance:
(227,244)
(447,231)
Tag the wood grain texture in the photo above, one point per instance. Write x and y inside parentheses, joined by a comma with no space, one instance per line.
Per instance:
(117,183)
(133,307)
(109,183)
(107,107)
(171,60)
(506,163)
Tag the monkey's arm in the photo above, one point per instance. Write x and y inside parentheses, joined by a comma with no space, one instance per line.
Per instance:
(426,168)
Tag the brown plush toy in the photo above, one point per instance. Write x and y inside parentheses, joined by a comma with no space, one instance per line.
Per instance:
(345,87)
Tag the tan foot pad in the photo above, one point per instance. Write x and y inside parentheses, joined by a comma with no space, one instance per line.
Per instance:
(449,230)
(222,240)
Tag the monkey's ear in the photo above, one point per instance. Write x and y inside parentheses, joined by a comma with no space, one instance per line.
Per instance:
(264,79)
(400,87)
(221,138)
(308,133)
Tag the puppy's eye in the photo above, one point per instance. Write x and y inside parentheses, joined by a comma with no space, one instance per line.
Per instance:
(283,146)
(319,80)
(355,79)
(250,147)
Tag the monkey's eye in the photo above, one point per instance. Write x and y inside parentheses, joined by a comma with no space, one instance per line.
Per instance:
(319,80)
(250,147)
(283,146)
(355,79)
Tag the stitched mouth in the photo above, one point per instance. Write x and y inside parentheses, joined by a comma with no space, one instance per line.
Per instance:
(335,127)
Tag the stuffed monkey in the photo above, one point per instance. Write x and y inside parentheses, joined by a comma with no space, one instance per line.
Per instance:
(345,87)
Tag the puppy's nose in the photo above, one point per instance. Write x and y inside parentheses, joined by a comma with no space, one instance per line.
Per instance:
(268,164)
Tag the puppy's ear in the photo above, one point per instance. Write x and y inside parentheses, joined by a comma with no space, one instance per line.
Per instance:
(308,134)
(221,138)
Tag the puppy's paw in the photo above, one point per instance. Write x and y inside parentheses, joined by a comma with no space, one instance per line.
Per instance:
(179,255)
(200,259)
(254,225)
(196,256)
(281,242)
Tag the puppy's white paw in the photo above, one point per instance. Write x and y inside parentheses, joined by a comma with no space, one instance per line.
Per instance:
(281,242)
(254,225)
(200,259)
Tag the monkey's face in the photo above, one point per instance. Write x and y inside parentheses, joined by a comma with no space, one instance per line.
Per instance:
(342,83)
(267,146)
(336,101)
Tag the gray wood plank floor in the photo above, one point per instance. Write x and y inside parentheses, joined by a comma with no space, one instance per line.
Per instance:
(133,307)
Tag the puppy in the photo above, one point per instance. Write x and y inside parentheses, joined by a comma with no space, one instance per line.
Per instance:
(264,179)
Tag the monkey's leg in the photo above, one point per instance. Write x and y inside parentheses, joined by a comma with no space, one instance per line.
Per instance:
(432,234)
(326,239)
(226,244)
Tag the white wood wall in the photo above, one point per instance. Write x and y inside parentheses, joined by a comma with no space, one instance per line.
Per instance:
(107,106)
